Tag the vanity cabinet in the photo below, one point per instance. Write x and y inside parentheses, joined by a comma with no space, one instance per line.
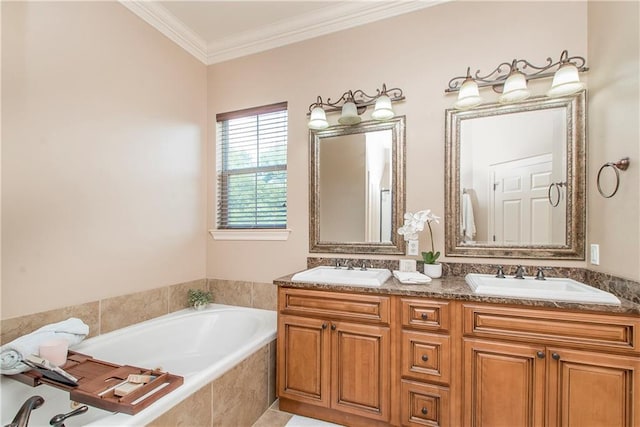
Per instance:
(334,353)
(535,367)
(426,362)
(364,359)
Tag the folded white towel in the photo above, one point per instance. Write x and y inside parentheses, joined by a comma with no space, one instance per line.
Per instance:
(11,354)
(411,277)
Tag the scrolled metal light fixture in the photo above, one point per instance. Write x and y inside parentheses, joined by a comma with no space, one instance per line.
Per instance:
(510,79)
(352,104)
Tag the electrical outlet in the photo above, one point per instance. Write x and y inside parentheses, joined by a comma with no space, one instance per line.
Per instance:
(595,254)
(412,247)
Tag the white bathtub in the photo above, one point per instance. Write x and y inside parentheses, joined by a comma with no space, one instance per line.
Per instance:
(199,345)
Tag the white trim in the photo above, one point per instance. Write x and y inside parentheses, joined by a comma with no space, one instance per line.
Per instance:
(314,24)
(340,16)
(270,234)
(164,21)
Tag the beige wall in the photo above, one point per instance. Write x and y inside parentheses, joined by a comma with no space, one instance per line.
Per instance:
(614,111)
(103,156)
(419,52)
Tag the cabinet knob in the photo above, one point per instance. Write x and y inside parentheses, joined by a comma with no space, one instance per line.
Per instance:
(324,326)
(424,411)
(424,316)
(425,357)
(333,327)
(555,356)
(540,354)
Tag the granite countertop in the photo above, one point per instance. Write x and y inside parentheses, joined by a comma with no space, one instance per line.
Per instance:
(455,288)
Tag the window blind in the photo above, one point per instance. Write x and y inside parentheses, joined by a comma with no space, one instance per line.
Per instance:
(252,168)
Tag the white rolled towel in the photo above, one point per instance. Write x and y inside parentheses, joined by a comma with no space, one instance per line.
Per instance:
(11,354)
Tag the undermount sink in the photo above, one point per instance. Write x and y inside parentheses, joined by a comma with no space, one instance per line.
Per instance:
(553,289)
(343,276)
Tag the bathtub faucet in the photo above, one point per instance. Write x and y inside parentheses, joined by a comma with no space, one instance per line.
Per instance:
(22,417)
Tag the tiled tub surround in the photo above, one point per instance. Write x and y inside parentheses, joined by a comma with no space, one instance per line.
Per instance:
(117,312)
(453,286)
(228,374)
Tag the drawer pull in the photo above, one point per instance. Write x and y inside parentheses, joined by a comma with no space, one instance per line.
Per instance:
(425,357)
(324,326)
(555,356)
(424,411)
(540,354)
(333,327)
(424,316)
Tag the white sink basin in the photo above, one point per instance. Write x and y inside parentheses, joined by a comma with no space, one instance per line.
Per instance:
(343,276)
(553,289)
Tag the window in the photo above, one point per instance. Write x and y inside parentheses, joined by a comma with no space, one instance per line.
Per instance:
(252,168)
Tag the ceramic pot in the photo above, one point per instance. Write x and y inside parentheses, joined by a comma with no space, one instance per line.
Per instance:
(433,270)
(199,305)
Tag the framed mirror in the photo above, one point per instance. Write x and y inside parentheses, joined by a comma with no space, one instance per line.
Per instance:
(356,188)
(515,180)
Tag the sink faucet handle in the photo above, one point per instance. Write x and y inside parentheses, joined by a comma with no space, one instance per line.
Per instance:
(58,420)
(540,273)
(338,262)
(365,263)
(500,272)
(520,272)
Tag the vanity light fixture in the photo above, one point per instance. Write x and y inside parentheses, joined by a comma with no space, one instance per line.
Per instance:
(510,79)
(352,104)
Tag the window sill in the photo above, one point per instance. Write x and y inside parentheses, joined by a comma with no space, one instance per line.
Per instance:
(274,234)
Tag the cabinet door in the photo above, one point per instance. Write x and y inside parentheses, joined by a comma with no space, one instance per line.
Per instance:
(592,389)
(304,359)
(361,369)
(503,384)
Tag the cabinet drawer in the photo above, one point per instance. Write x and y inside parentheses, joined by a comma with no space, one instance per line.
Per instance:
(426,357)
(424,405)
(598,331)
(335,305)
(425,314)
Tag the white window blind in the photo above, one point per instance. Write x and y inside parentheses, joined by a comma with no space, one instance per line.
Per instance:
(252,168)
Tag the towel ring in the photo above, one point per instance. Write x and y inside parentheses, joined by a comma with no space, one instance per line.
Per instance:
(557,186)
(623,165)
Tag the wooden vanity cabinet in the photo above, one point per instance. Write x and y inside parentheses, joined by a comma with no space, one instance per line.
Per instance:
(334,355)
(377,360)
(426,362)
(536,367)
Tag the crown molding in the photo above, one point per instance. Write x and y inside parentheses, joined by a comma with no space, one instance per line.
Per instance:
(164,21)
(340,16)
(318,23)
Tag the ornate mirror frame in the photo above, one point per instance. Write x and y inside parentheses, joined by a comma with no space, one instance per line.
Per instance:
(574,247)
(397,244)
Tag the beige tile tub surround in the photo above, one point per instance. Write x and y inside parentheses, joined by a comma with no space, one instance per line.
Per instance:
(237,398)
(245,294)
(108,314)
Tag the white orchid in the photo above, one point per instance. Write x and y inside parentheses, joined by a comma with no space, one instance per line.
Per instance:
(413,224)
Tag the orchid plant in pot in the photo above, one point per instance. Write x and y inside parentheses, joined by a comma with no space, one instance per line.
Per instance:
(414,223)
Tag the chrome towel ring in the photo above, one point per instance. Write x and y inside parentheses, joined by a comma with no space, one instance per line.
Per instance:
(557,186)
(623,165)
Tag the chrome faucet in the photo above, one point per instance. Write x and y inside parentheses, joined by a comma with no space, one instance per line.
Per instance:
(364,266)
(540,273)
(337,263)
(520,272)
(22,417)
(500,272)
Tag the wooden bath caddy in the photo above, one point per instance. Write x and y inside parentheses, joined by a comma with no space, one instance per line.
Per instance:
(97,380)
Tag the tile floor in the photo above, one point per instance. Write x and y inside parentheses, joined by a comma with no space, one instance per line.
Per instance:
(274,417)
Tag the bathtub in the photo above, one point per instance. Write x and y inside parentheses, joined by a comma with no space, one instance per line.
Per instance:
(198,345)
